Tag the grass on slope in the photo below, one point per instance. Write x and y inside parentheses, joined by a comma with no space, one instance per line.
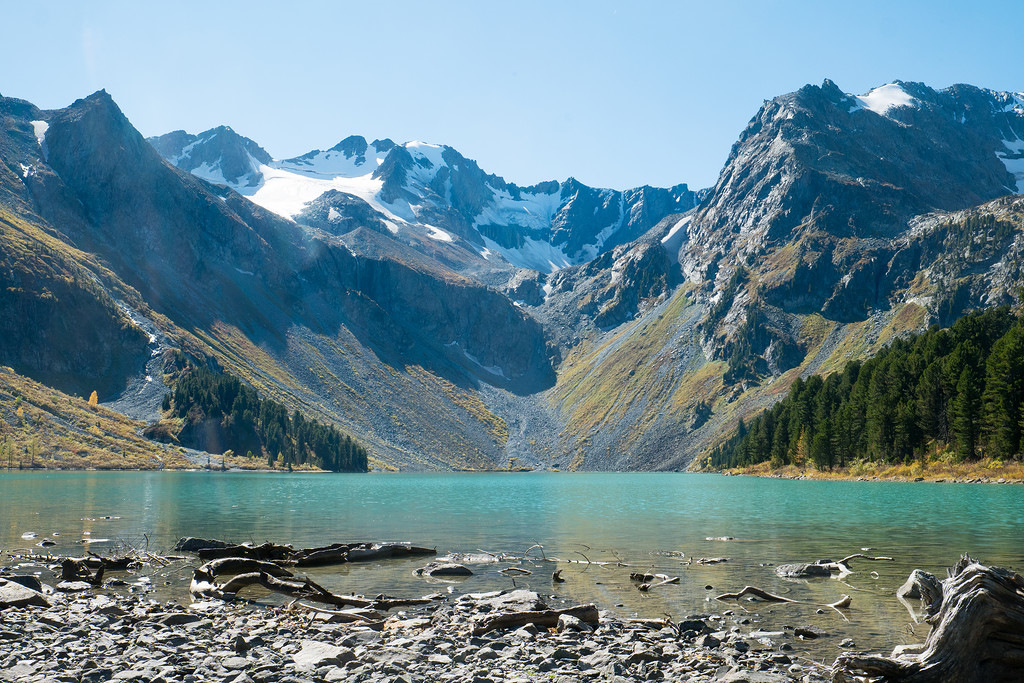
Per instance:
(42,427)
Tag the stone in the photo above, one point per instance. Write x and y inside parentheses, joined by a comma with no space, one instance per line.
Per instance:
(74,586)
(28,581)
(567,622)
(803,571)
(315,654)
(443,569)
(16,595)
(810,632)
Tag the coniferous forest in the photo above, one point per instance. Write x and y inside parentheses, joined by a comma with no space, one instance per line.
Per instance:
(224,414)
(958,390)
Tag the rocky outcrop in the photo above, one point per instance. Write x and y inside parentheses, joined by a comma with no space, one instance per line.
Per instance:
(338,212)
(216,154)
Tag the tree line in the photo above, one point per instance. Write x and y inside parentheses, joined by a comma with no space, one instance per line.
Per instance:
(245,423)
(960,388)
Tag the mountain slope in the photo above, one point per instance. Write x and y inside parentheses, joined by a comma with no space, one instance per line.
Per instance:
(838,224)
(258,294)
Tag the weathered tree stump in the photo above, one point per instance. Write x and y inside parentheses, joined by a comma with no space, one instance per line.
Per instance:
(977,634)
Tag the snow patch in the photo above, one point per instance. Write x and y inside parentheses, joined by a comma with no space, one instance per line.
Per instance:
(333,164)
(211,173)
(491,369)
(882,99)
(532,211)
(332,215)
(40,128)
(436,233)
(534,254)
(286,192)
(547,289)
(683,222)
(1013,160)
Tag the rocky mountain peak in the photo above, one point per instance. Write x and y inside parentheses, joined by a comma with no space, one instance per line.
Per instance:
(219,155)
(352,146)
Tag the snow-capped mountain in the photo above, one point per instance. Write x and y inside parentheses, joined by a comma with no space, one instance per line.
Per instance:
(431,190)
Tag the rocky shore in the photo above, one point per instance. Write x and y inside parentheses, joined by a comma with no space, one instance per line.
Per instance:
(105,635)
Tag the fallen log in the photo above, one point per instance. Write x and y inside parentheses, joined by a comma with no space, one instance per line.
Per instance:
(304,590)
(190,544)
(266,552)
(666,580)
(756,592)
(242,565)
(366,616)
(546,618)
(368,552)
(977,634)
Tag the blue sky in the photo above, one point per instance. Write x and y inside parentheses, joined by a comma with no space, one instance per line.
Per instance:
(617,94)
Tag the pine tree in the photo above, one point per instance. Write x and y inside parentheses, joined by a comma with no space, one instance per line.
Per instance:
(1004,393)
(965,414)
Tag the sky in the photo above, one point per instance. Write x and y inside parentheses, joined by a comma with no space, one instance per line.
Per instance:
(615,94)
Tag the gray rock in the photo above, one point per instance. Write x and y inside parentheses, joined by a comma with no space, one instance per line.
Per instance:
(443,569)
(190,544)
(567,622)
(802,571)
(315,654)
(16,595)
(28,581)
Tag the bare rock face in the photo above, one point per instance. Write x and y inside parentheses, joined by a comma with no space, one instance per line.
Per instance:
(816,201)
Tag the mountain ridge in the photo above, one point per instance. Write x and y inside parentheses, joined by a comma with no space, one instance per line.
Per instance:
(543,226)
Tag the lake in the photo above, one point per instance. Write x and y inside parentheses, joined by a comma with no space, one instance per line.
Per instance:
(650,522)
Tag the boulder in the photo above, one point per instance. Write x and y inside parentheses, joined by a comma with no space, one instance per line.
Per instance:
(190,544)
(315,654)
(16,595)
(803,571)
(443,569)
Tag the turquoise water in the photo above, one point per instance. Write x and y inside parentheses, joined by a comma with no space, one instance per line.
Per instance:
(650,522)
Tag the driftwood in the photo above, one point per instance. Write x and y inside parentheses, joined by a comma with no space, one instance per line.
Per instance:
(243,565)
(546,618)
(649,581)
(977,634)
(756,592)
(73,569)
(306,589)
(824,568)
(336,553)
(364,616)
(265,552)
(842,603)
(924,587)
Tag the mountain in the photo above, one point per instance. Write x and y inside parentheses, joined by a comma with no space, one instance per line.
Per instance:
(838,223)
(429,191)
(299,316)
(448,319)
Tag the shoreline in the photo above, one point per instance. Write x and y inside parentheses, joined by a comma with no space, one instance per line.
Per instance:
(99,634)
(982,472)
